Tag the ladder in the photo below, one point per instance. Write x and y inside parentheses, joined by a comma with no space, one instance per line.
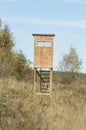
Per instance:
(44,80)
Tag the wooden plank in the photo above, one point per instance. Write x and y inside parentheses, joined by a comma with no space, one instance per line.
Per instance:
(45,94)
(43,57)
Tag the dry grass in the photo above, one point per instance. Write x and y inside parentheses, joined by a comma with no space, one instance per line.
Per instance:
(20,109)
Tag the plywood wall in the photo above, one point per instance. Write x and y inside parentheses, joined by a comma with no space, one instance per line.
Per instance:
(43,55)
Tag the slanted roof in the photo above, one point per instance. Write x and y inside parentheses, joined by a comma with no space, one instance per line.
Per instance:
(36,34)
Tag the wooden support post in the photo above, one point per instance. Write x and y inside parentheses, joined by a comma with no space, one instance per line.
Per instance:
(34,80)
(40,79)
(50,90)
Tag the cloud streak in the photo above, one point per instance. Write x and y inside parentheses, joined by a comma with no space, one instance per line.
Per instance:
(48,22)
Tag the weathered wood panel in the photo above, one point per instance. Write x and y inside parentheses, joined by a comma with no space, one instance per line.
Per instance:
(43,55)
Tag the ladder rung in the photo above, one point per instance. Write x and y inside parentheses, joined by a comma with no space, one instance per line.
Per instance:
(44,86)
(43,93)
(44,70)
(45,78)
(44,74)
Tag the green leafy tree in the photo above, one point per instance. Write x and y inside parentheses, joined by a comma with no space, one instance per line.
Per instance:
(6,40)
(20,65)
(70,66)
(12,63)
(6,46)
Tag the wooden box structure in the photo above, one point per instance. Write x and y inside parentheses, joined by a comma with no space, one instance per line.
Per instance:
(43,62)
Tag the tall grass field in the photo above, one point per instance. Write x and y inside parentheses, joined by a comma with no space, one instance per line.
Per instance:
(21,109)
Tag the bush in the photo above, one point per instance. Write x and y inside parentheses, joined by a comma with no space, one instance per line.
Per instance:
(70,66)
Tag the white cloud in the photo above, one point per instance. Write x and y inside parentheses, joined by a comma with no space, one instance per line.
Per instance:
(73,1)
(63,23)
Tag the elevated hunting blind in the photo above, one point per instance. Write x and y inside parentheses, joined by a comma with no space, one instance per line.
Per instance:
(43,63)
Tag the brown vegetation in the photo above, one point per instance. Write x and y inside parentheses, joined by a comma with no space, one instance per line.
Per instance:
(20,109)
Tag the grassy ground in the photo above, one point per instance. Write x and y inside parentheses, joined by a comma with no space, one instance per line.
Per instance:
(20,109)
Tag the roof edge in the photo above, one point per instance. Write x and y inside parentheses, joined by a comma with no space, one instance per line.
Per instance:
(36,34)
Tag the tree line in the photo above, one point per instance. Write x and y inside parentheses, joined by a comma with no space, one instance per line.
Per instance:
(12,63)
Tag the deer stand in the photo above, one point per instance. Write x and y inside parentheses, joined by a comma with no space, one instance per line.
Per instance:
(43,57)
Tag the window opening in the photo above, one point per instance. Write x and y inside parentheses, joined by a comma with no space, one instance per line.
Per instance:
(43,43)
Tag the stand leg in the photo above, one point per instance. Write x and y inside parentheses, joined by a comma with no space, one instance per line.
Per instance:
(34,80)
(50,82)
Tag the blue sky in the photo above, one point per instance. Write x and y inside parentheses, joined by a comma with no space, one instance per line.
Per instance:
(64,18)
